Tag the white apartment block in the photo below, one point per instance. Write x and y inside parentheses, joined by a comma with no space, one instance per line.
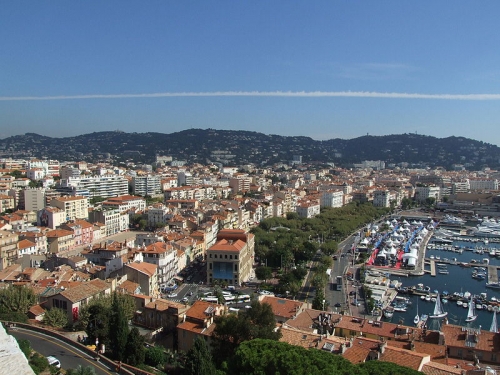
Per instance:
(164,256)
(158,214)
(483,184)
(332,198)
(70,172)
(424,192)
(460,187)
(184,178)
(381,198)
(308,210)
(38,164)
(125,203)
(35,173)
(113,220)
(34,199)
(74,207)
(96,186)
(146,185)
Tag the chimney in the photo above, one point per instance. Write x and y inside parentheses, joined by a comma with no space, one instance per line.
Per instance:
(343,348)
(382,346)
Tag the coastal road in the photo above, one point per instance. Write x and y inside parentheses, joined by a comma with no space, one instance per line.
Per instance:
(69,356)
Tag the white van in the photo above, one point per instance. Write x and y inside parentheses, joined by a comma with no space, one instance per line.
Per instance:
(53,361)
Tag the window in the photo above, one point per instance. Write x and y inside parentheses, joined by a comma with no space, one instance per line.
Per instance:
(215,256)
(236,267)
(230,257)
(225,256)
(236,257)
(210,255)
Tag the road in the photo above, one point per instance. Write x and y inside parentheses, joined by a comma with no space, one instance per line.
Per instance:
(69,356)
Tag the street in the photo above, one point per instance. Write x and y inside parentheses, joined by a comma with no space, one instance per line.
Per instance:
(69,356)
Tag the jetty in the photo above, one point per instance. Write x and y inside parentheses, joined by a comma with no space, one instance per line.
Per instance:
(492,274)
(433,267)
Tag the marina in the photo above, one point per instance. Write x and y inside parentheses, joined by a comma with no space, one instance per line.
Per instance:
(457,282)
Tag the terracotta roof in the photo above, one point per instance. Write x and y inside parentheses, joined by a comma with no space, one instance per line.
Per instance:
(144,267)
(225,245)
(283,307)
(85,290)
(434,368)
(25,244)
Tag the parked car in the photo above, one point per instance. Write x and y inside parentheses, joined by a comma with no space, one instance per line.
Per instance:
(172,295)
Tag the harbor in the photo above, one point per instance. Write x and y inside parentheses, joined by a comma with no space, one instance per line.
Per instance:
(459,270)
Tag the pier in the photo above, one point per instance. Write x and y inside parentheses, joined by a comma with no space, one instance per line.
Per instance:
(492,274)
(433,267)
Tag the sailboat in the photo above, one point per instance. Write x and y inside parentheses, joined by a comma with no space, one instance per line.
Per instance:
(417,317)
(438,309)
(471,314)
(494,324)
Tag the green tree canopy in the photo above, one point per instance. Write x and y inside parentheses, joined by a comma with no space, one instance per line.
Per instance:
(135,352)
(199,359)
(17,299)
(231,330)
(263,273)
(118,328)
(89,370)
(55,318)
(268,357)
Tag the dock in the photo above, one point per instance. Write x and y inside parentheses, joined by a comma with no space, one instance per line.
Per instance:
(492,274)
(433,267)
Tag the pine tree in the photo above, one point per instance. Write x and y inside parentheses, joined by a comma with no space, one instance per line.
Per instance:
(135,351)
(199,359)
(118,329)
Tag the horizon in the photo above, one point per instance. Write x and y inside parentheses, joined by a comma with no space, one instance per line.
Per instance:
(324,70)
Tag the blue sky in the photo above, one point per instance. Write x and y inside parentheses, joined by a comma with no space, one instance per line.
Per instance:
(321,69)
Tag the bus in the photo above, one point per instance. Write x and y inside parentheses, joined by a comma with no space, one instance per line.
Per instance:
(339,282)
(211,299)
(244,298)
(229,298)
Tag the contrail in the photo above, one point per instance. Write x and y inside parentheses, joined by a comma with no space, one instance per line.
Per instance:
(283,94)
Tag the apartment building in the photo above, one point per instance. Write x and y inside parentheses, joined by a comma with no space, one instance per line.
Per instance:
(60,240)
(125,203)
(105,186)
(164,256)
(51,217)
(308,209)
(381,198)
(144,274)
(149,185)
(230,259)
(114,220)
(74,207)
(8,248)
(34,199)
(332,198)
(424,192)
(483,184)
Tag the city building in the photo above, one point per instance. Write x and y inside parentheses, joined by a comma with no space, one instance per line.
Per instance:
(149,185)
(74,207)
(230,259)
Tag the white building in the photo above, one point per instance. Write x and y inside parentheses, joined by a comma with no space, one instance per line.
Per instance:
(146,185)
(34,199)
(75,207)
(381,198)
(164,256)
(96,186)
(332,198)
(114,221)
(424,192)
(483,184)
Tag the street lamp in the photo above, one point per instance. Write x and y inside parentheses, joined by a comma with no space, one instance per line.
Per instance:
(323,305)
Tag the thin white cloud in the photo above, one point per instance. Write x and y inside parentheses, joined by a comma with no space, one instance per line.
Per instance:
(285,94)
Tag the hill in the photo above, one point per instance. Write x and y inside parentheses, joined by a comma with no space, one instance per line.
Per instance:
(245,147)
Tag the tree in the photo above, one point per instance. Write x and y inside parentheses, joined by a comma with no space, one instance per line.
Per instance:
(135,352)
(155,356)
(263,273)
(55,318)
(17,299)
(98,323)
(199,359)
(89,370)
(231,330)
(319,302)
(119,327)
(38,363)
(268,357)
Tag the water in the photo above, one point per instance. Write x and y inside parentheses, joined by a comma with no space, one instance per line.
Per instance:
(459,280)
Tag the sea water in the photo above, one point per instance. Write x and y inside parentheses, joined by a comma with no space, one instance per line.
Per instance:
(458,280)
